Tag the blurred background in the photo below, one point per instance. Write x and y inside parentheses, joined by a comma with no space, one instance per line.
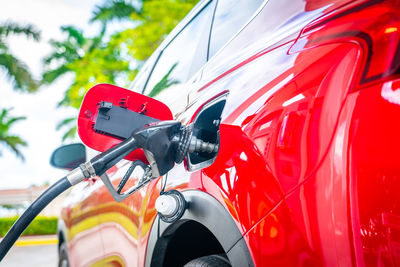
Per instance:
(51,53)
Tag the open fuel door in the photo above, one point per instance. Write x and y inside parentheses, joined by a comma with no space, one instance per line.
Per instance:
(105,113)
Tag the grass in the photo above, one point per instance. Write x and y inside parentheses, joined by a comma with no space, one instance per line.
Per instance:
(40,225)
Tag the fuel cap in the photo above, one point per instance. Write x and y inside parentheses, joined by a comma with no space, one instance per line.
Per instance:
(167,205)
(170,206)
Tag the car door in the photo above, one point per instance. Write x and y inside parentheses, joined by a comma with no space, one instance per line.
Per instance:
(80,224)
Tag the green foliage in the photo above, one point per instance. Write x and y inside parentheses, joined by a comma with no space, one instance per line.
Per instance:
(113,10)
(116,59)
(155,20)
(22,80)
(40,225)
(90,60)
(10,27)
(15,69)
(70,125)
(9,207)
(12,142)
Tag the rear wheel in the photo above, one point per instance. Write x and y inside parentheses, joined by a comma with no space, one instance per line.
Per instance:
(209,261)
(63,256)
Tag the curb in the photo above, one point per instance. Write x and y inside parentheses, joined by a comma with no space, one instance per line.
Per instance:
(36,242)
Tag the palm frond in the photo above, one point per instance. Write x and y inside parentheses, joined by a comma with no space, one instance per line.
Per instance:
(14,143)
(70,125)
(74,33)
(56,55)
(114,9)
(6,120)
(64,52)
(52,75)
(96,42)
(3,114)
(70,134)
(14,120)
(65,122)
(18,72)
(3,45)
(10,27)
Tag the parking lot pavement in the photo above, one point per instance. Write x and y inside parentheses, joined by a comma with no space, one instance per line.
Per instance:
(35,256)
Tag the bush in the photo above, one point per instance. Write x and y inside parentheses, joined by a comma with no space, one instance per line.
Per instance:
(40,226)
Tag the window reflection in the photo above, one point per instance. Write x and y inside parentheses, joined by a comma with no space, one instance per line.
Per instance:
(230,16)
(176,63)
(165,82)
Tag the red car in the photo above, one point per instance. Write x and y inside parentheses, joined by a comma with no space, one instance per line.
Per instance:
(303,98)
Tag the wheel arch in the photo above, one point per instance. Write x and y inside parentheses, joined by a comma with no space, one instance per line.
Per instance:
(204,212)
(61,232)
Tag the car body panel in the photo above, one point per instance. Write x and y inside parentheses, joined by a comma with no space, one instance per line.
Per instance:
(374,172)
(80,216)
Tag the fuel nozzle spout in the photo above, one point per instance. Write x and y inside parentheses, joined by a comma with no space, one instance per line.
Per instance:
(198,145)
(168,142)
(187,143)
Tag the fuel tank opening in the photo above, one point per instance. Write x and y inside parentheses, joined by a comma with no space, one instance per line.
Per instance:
(206,128)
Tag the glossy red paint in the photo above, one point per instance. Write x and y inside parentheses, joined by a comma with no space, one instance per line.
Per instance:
(374,170)
(308,166)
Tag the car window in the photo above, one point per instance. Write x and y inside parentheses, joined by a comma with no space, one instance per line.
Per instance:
(140,80)
(181,58)
(229,17)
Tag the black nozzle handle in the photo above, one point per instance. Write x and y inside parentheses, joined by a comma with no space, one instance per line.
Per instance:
(129,172)
(104,161)
(33,210)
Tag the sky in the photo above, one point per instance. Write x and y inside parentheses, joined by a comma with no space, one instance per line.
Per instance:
(39,108)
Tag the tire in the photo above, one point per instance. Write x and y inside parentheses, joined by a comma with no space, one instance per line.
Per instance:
(209,261)
(63,260)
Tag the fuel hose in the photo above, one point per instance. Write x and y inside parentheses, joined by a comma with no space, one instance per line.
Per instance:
(96,166)
(31,212)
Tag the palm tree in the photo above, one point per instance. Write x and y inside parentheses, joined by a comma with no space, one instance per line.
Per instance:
(65,52)
(113,10)
(15,69)
(21,79)
(12,142)
(90,60)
